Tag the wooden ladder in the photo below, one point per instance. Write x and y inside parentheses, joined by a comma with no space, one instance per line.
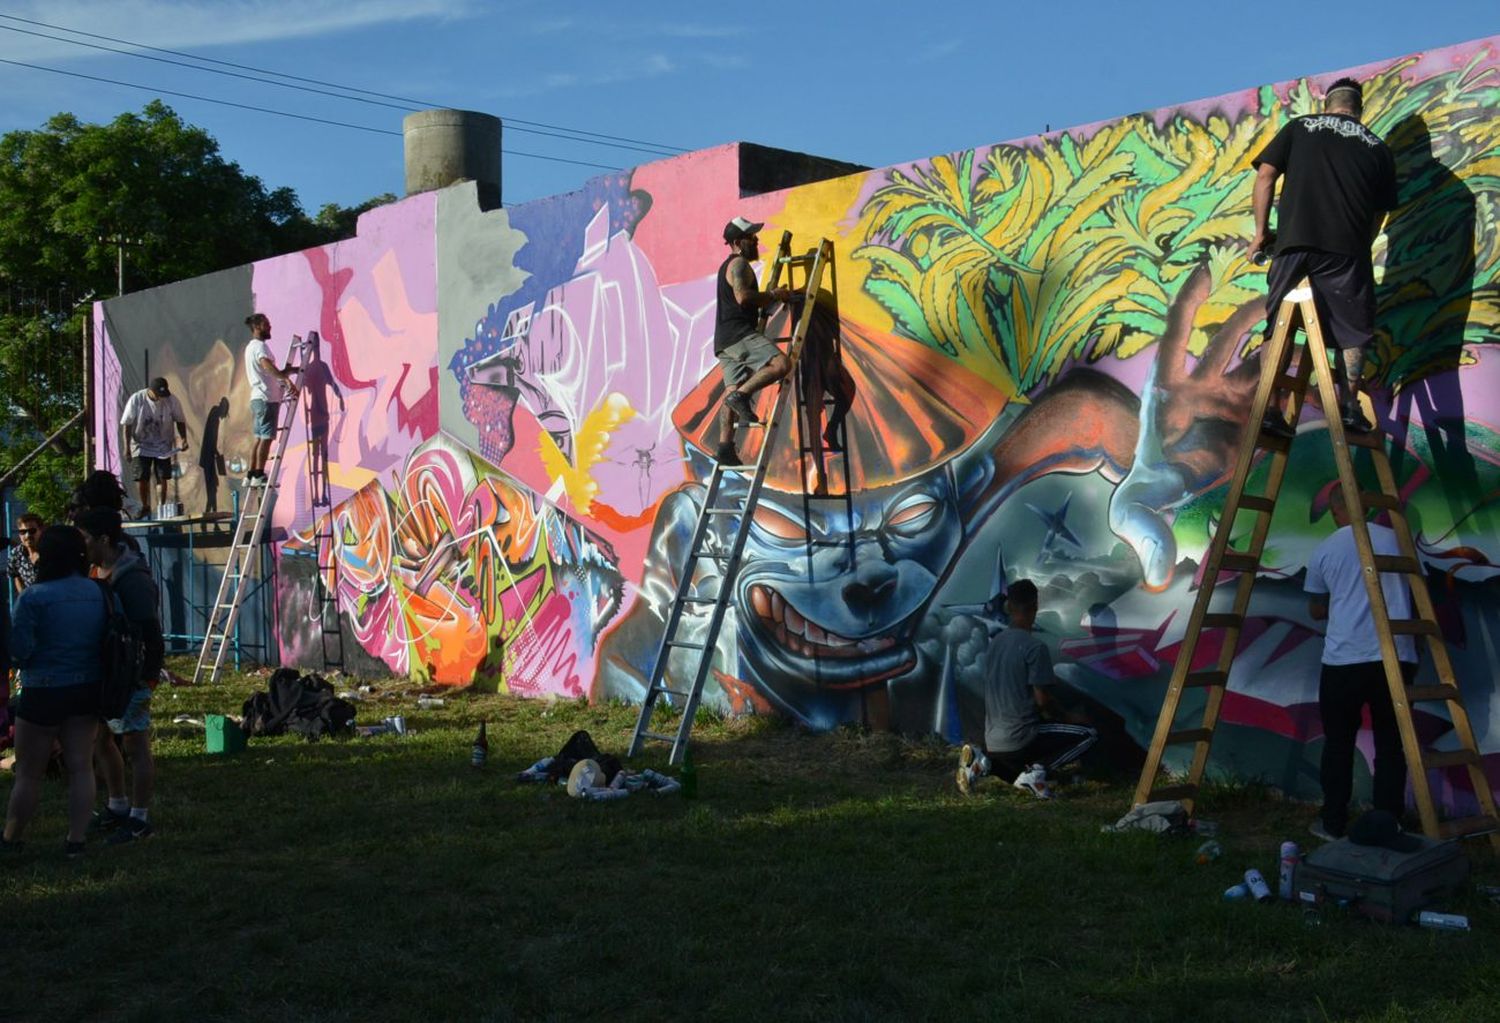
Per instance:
(1312,366)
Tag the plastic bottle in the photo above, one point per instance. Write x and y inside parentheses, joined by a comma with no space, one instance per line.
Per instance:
(1443,921)
(1208,852)
(689,776)
(1291,853)
(1257,885)
(481,750)
(429,702)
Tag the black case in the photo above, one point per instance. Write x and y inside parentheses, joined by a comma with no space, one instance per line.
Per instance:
(1381,883)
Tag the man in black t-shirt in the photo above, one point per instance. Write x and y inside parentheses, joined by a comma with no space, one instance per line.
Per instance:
(1340,179)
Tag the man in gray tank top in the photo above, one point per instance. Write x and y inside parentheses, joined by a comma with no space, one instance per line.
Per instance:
(749,359)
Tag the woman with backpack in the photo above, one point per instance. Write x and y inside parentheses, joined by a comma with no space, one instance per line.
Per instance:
(57,633)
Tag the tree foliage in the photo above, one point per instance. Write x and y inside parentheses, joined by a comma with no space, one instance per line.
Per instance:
(67,190)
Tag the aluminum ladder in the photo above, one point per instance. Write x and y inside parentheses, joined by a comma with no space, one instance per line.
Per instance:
(738,513)
(249,532)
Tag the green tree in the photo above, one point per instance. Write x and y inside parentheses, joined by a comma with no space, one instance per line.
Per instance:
(65,190)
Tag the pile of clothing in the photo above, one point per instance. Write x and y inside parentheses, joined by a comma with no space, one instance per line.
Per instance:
(304,704)
(594,776)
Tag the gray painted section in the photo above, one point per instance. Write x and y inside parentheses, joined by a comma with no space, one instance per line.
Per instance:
(444,147)
(476,267)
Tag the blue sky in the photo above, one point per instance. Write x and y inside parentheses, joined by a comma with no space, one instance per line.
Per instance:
(870,82)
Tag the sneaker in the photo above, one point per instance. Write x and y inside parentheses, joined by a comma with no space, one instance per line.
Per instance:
(739,403)
(831,437)
(1353,418)
(130,830)
(107,820)
(966,775)
(1321,831)
(255,479)
(1276,426)
(727,455)
(1034,780)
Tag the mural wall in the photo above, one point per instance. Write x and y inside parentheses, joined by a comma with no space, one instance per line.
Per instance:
(1053,343)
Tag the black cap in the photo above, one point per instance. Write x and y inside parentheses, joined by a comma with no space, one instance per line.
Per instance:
(159,385)
(1380,828)
(739,228)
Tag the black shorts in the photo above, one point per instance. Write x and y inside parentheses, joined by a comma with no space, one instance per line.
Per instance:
(145,465)
(50,706)
(1343,289)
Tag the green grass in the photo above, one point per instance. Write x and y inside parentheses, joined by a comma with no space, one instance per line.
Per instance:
(817,877)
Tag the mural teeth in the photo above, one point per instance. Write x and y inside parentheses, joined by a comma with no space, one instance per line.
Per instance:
(778,608)
(760,600)
(794,621)
(815,633)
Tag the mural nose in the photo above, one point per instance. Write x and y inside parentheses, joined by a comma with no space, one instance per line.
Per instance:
(874,583)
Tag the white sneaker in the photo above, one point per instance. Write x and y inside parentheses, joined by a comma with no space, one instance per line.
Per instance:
(1034,780)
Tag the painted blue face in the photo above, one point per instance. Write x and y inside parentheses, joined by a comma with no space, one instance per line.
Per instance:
(817,626)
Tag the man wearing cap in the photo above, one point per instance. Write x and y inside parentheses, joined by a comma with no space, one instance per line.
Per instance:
(1353,675)
(148,420)
(749,359)
(1340,180)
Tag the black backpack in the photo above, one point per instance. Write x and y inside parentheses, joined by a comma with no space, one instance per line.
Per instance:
(123,656)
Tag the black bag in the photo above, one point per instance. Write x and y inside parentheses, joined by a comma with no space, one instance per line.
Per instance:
(123,657)
(1382,884)
(304,704)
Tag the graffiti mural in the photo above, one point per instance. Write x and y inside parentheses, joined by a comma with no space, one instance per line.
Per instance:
(455,575)
(1052,342)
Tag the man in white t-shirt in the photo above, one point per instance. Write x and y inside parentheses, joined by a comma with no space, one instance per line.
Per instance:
(1353,675)
(267,384)
(149,417)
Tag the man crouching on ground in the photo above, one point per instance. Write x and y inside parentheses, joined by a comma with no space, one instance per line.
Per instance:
(1019,746)
(749,359)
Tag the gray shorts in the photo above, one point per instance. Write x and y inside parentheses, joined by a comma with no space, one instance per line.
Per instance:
(263,416)
(742,359)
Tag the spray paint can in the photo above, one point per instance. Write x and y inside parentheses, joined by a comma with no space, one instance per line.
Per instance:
(1234,893)
(1443,921)
(1208,852)
(1291,853)
(1259,890)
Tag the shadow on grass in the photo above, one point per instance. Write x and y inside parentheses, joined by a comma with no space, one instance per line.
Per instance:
(829,877)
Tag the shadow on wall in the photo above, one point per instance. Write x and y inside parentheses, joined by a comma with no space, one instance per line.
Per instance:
(1430,238)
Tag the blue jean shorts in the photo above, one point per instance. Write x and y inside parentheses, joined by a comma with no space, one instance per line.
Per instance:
(137,716)
(263,416)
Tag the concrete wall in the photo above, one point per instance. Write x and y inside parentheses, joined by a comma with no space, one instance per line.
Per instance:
(1049,337)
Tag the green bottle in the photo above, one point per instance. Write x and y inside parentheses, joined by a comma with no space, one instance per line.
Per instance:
(689,776)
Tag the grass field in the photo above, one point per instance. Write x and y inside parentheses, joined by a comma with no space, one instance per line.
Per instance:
(832,877)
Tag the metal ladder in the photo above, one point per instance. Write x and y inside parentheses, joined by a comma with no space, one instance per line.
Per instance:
(1312,365)
(325,594)
(814,263)
(249,532)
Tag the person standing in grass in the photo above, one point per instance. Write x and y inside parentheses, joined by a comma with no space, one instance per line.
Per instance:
(22,557)
(1353,675)
(128,578)
(56,635)
(1019,746)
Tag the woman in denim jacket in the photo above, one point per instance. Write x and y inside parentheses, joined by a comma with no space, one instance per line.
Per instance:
(57,634)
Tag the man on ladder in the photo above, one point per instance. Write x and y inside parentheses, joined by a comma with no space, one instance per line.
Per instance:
(749,359)
(1340,180)
(264,376)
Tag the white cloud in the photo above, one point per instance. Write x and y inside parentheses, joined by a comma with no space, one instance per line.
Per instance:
(700,31)
(650,65)
(937,50)
(200,24)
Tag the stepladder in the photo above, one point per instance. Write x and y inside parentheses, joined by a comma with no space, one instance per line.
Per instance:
(322,610)
(245,546)
(1201,676)
(705,596)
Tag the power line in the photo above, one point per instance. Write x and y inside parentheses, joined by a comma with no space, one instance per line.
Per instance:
(253,76)
(415,103)
(279,113)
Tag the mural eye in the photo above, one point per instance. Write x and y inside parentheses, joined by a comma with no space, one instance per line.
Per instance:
(778,525)
(913,516)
